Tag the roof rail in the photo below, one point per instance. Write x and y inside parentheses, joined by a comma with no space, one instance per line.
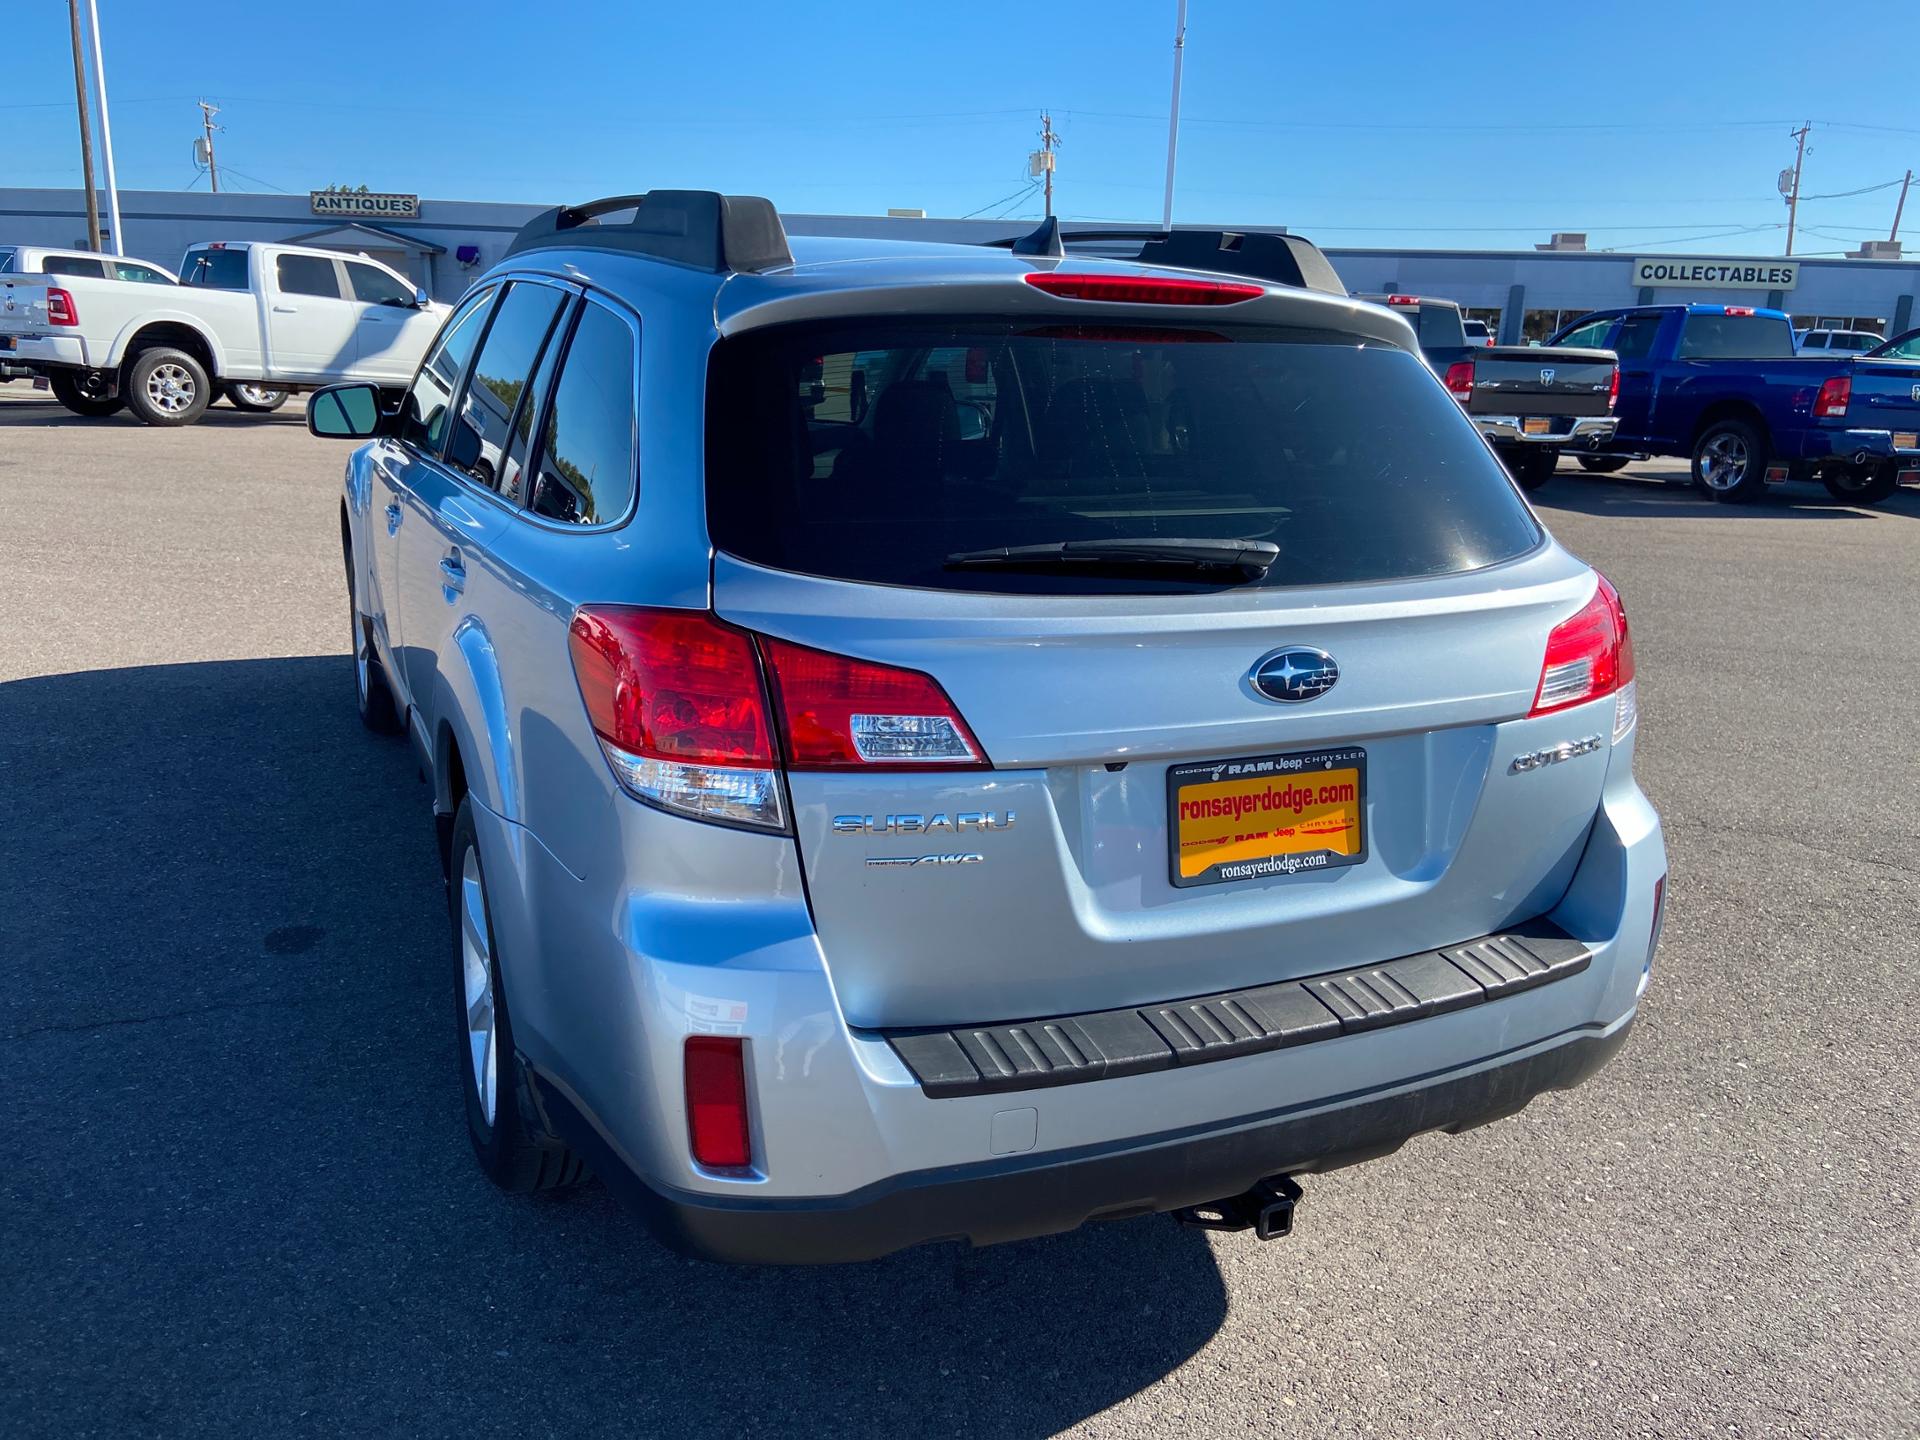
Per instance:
(1259,254)
(700,228)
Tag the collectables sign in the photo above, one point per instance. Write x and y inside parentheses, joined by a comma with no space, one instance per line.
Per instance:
(1695,273)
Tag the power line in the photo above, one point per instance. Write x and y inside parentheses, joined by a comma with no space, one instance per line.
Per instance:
(1020,194)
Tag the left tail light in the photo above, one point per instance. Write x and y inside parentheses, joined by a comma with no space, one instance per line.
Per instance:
(1459,381)
(1589,656)
(60,307)
(1613,392)
(698,716)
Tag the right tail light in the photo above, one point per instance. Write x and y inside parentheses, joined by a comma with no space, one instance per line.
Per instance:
(1590,656)
(700,717)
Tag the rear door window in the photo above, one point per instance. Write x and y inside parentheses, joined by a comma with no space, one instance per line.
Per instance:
(215,269)
(140,274)
(585,471)
(877,451)
(307,275)
(79,265)
(478,445)
(1734,337)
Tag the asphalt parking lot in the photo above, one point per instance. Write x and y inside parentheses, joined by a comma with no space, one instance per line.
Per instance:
(239,1197)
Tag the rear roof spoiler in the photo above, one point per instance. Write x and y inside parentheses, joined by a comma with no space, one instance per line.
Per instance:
(700,228)
(1268,255)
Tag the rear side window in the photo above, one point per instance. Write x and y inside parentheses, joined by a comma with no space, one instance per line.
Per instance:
(73,265)
(307,275)
(139,274)
(1729,337)
(1438,326)
(424,420)
(1592,335)
(876,452)
(215,269)
(520,326)
(375,286)
(585,471)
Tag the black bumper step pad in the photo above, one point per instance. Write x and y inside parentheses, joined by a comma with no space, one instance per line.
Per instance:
(1074,1049)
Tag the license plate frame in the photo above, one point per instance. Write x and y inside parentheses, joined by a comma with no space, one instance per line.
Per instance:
(1274,773)
(1906,440)
(1536,425)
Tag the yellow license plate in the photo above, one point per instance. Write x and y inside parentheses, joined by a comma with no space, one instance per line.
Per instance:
(1905,440)
(1267,815)
(1536,425)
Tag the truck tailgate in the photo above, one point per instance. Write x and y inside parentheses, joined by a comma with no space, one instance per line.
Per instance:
(1541,380)
(1886,396)
(23,305)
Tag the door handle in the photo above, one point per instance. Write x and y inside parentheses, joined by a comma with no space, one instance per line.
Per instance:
(286,309)
(453,575)
(393,518)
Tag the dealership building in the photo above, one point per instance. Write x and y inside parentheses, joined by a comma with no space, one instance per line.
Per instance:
(1523,295)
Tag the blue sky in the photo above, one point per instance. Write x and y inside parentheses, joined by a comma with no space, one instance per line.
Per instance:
(1483,124)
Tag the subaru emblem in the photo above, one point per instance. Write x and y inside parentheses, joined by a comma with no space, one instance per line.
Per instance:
(1546,377)
(1295,674)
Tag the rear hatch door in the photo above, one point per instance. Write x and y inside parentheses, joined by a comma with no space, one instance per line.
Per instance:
(1119,851)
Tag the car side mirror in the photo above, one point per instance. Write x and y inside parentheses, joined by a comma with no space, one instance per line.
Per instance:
(345,412)
(420,301)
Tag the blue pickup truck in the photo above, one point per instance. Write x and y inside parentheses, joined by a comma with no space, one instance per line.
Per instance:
(1722,384)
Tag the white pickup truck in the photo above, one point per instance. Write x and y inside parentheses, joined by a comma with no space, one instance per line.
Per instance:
(246,320)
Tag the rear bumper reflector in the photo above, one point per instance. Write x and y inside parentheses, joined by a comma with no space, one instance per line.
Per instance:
(1073,1049)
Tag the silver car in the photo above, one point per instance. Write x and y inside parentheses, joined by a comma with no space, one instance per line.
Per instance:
(944,742)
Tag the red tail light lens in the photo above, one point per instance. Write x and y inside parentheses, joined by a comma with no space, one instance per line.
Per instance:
(716,1077)
(1459,380)
(1736,309)
(677,702)
(838,713)
(1403,299)
(1613,392)
(1589,655)
(1142,290)
(60,307)
(1835,396)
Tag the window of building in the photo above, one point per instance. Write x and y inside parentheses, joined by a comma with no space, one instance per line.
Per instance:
(307,275)
(1537,325)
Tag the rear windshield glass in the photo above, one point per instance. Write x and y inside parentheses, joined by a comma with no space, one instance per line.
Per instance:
(1723,337)
(215,269)
(877,451)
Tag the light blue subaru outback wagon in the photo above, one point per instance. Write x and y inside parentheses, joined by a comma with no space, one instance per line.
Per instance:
(944,742)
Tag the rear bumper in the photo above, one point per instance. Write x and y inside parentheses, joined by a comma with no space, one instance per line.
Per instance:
(34,352)
(1588,432)
(1870,446)
(1041,1195)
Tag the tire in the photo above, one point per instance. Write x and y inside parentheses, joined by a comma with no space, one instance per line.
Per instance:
(167,387)
(1530,468)
(256,399)
(1604,464)
(1867,486)
(1730,461)
(66,390)
(378,710)
(510,1139)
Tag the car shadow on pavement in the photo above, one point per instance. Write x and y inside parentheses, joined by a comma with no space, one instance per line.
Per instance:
(1633,497)
(52,415)
(239,1194)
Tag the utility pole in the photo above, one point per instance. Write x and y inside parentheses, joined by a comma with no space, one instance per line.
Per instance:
(207,112)
(1793,200)
(1900,209)
(86,129)
(1040,162)
(106,130)
(1173,118)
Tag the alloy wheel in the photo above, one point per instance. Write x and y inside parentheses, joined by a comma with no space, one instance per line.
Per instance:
(476,963)
(1723,462)
(171,388)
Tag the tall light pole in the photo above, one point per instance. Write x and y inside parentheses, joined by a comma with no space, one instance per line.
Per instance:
(86,129)
(106,129)
(1173,120)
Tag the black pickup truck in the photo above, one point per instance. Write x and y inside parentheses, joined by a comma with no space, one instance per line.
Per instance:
(1529,401)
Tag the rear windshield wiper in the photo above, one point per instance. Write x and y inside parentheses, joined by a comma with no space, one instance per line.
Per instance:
(1244,559)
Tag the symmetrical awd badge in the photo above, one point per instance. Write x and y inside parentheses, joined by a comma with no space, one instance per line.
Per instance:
(1296,674)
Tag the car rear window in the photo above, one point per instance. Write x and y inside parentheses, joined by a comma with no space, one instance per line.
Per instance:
(1729,337)
(875,451)
(215,269)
